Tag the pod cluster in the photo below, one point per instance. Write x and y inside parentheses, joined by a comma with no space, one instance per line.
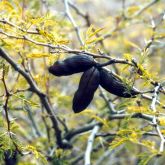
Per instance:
(92,77)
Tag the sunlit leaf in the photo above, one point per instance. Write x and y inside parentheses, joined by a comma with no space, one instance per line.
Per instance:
(93,40)
(38,55)
(95,32)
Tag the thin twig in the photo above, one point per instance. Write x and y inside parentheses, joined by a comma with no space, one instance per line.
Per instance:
(73,22)
(7,95)
(115,134)
(88,151)
(162,142)
(153,108)
(135,115)
(5,21)
(145,8)
(78,131)
(154,98)
(72,5)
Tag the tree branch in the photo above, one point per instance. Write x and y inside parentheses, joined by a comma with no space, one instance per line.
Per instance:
(72,5)
(90,145)
(145,8)
(80,130)
(7,95)
(153,108)
(135,115)
(72,21)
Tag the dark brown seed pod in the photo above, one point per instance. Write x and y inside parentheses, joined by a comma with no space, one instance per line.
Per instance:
(71,65)
(115,85)
(89,82)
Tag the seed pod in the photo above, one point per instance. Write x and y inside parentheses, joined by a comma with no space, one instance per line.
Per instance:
(59,69)
(114,85)
(89,82)
(71,65)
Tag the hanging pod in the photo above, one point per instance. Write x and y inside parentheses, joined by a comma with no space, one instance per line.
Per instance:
(71,65)
(115,85)
(89,82)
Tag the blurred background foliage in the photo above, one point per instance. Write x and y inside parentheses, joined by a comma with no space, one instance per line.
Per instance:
(125,29)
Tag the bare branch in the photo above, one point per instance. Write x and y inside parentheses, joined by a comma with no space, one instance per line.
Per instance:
(115,134)
(154,98)
(72,21)
(162,142)
(135,115)
(7,95)
(145,8)
(153,108)
(90,145)
(80,130)
(72,5)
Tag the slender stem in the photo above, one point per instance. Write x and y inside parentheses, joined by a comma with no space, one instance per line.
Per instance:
(145,8)
(154,98)
(5,21)
(153,108)
(7,95)
(89,148)
(72,21)
(6,113)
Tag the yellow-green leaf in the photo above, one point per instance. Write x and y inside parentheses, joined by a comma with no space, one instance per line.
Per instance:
(89,30)
(38,55)
(93,40)
(95,32)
